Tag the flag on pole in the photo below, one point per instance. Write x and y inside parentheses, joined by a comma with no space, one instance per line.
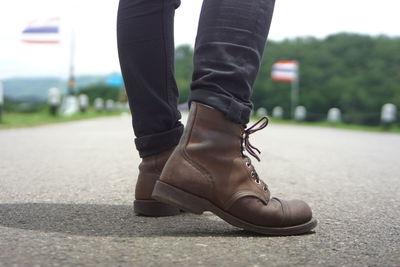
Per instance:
(285,71)
(42,31)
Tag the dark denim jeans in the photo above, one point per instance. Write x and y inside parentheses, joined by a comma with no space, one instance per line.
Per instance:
(229,45)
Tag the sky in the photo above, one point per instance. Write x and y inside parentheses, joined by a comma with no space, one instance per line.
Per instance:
(94,22)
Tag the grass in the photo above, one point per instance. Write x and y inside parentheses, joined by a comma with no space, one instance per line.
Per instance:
(355,127)
(17,120)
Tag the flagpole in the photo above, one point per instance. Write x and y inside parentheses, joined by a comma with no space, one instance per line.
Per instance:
(295,92)
(71,80)
(71,105)
(1,101)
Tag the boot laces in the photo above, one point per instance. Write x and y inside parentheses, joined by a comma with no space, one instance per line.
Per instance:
(252,150)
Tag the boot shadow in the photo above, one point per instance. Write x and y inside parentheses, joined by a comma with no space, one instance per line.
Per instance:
(110,220)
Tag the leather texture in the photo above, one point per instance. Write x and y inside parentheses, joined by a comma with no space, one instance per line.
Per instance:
(149,172)
(209,163)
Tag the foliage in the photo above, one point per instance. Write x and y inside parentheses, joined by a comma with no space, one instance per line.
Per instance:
(13,120)
(355,73)
(183,70)
(22,106)
(102,91)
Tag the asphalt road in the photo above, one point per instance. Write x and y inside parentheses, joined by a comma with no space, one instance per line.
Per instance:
(66,194)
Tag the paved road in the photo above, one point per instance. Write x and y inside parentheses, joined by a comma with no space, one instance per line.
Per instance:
(66,192)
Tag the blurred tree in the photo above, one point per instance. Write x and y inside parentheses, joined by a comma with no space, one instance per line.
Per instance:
(102,91)
(24,105)
(183,70)
(353,72)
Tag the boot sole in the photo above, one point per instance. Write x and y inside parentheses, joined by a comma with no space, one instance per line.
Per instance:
(191,203)
(153,208)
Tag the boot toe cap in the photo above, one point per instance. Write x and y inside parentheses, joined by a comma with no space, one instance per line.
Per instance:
(296,212)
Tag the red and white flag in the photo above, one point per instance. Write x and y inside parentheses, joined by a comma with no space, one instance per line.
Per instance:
(42,31)
(285,71)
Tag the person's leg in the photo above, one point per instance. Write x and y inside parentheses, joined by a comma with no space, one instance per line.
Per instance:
(230,42)
(209,169)
(146,53)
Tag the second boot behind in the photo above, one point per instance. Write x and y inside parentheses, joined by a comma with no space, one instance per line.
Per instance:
(149,172)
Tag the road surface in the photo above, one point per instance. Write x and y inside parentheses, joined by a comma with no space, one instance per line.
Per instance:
(66,194)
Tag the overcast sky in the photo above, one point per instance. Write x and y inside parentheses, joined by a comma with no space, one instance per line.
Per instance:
(95,21)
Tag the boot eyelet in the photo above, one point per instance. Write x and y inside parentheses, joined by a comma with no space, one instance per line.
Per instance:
(265,189)
(253,174)
(258,181)
(248,164)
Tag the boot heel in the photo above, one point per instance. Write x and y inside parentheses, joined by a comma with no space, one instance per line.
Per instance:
(153,208)
(171,195)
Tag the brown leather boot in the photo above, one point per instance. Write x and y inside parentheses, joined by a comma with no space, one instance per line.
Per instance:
(149,172)
(209,172)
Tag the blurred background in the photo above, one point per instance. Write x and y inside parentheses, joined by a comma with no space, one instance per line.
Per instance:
(327,62)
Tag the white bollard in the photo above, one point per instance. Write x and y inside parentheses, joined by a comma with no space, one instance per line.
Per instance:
(110,105)
(1,93)
(334,115)
(119,106)
(70,105)
(98,104)
(262,112)
(1,100)
(300,113)
(388,114)
(277,112)
(54,100)
(83,102)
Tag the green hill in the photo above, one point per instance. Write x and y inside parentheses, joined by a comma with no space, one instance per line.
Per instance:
(35,89)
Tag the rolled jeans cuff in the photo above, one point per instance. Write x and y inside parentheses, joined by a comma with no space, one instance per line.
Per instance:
(231,108)
(157,143)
